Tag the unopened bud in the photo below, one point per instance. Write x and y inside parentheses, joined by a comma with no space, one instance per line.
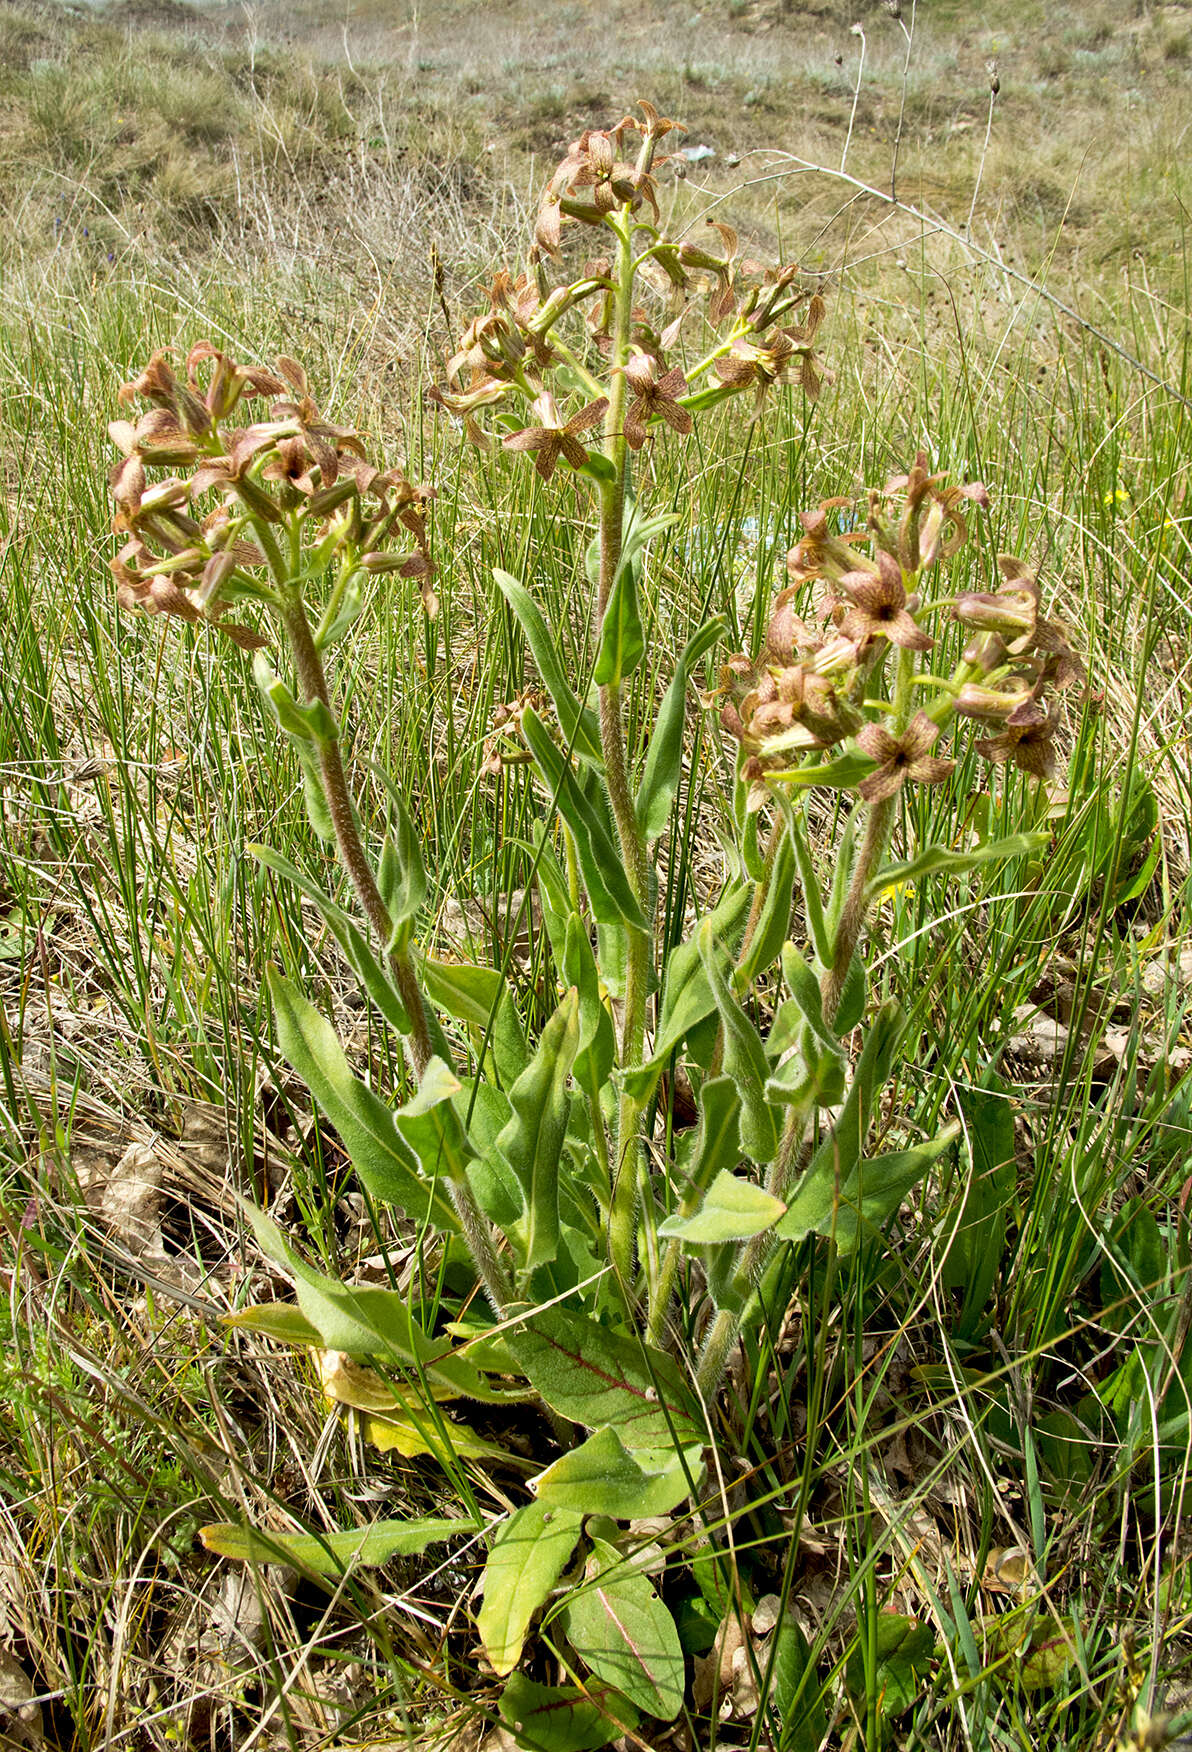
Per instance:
(1011,613)
(974,701)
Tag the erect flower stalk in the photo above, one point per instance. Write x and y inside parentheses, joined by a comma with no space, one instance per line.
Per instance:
(313,685)
(627,1143)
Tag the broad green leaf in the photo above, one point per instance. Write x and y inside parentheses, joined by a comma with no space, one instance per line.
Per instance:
(664,757)
(431,1126)
(528,1556)
(330,1554)
(732,1210)
(601,1477)
(622,636)
(480,998)
(1053,1650)
(597,1038)
(619,1628)
(532,1142)
(365,1321)
(774,921)
(371,974)
(402,874)
(609,893)
(595,1376)
(794,1689)
(744,1055)
(953,863)
(903,1658)
(366,1126)
(280,1321)
(561,1718)
(577,722)
(854,1210)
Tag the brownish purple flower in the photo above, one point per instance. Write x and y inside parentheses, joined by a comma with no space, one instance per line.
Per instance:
(901,758)
(553,438)
(776,712)
(656,397)
(1029,744)
(881,608)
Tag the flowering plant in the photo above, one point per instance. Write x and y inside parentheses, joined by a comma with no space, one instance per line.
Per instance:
(620,1259)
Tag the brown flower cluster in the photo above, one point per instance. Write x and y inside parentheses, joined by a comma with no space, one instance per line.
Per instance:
(512,357)
(594,178)
(1018,656)
(818,685)
(296,465)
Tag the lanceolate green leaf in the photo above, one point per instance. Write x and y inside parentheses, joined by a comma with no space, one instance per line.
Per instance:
(953,863)
(733,1209)
(774,921)
(330,1554)
(402,874)
(622,637)
(687,996)
(604,875)
(562,1718)
(717,1143)
(577,722)
(368,1322)
(380,1155)
(744,1056)
(532,1142)
(664,757)
(431,1126)
(480,998)
(594,1376)
(527,1558)
(280,1321)
(853,1210)
(597,1040)
(619,1627)
(602,1477)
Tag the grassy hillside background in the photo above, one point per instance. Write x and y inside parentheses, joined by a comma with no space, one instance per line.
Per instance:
(341,183)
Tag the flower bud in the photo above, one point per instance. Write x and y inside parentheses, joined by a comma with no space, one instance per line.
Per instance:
(974,701)
(1004,612)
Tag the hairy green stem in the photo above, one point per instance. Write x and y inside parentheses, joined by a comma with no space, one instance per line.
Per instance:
(723,1333)
(624,1189)
(855,909)
(312,684)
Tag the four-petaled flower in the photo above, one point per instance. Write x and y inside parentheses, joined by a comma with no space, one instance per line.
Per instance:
(1027,742)
(901,758)
(655,396)
(553,439)
(881,607)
